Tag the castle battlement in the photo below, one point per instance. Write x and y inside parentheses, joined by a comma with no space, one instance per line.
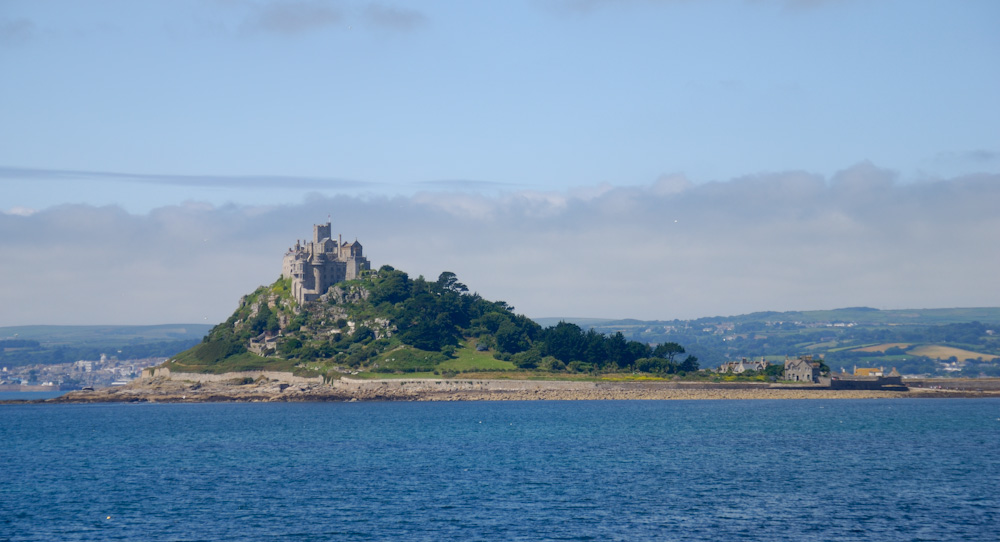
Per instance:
(315,266)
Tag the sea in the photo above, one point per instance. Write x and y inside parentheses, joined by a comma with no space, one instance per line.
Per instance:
(803,470)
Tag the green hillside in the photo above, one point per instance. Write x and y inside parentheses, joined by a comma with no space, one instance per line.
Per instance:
(870,316)
(87,335)
(386,323)
(956,342)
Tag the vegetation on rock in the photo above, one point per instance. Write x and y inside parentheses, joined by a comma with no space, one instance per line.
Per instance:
(386,322)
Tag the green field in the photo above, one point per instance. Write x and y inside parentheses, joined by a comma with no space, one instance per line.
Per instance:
(945,352)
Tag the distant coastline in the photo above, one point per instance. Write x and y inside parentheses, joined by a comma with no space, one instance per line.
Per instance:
(283,387)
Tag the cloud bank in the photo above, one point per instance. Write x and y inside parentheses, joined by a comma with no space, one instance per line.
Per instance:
(219,181)
(672,249)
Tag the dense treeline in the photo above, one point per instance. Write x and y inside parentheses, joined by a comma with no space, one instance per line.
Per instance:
(433,315)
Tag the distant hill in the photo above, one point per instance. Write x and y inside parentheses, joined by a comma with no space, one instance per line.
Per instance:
(26,345)
(860,315)
(83,335)
(959,341)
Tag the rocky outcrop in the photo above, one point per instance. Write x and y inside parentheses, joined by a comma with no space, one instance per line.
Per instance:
(340,295)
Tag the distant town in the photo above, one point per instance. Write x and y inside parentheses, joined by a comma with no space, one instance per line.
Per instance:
(100,373)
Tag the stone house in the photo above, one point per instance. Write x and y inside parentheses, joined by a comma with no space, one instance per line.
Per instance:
(802,369)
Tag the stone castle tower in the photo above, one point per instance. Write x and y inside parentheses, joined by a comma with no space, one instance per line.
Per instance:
(314,267)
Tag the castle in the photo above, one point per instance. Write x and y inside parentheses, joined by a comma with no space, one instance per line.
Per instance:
(314,267)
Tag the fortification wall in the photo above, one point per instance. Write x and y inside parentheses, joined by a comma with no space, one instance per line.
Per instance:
(288,378)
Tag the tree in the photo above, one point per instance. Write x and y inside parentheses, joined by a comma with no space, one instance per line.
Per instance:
(668,351)
(618,350)
(564,341)
(690,364)
(449,281)
(265,320)
(596,351)
(655,365)
(510,338)
(638,350)
(393,287)
(289,346)
(527,360)
(362,334)
(775,372)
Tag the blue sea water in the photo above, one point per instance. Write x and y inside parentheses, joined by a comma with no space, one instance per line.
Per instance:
(577,470)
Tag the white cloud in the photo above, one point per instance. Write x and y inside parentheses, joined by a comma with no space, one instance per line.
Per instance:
(672,249)
(20,211)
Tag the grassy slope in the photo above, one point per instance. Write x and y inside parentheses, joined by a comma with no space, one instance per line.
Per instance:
(187,362)
(467,359)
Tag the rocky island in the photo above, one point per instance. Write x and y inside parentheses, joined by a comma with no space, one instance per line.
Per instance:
(332,329)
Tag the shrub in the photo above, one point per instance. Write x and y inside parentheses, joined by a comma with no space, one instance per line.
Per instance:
(526,360)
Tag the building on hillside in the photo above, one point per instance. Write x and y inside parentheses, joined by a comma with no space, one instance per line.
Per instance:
(317,265)
(802,369)
(744,365)
(868,371)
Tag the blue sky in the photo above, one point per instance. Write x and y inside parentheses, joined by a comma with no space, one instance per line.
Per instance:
(168,116)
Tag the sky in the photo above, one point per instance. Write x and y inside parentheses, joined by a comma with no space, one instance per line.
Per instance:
(652,159)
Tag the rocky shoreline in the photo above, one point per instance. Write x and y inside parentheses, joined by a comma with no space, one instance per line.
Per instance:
(263,389)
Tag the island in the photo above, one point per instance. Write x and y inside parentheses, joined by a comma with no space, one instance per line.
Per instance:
(332,328)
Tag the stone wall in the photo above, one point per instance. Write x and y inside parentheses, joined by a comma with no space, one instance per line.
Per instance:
(289,378)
